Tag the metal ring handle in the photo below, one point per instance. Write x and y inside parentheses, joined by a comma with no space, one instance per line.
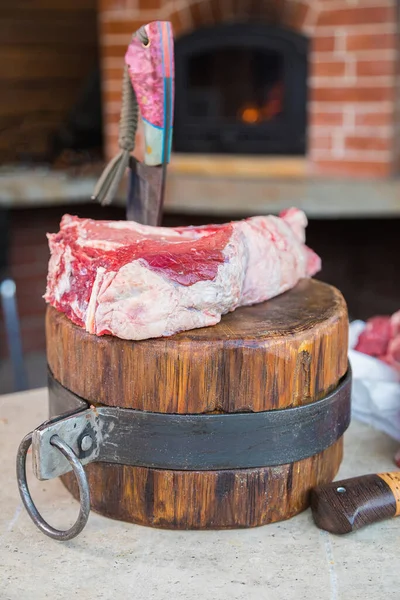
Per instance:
(84,492)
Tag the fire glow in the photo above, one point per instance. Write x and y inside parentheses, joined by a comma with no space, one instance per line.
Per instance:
(252,114)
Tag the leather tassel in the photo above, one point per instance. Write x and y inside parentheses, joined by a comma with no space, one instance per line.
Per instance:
(109,181)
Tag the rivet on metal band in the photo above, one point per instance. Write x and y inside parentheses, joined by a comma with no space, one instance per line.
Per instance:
(84,492)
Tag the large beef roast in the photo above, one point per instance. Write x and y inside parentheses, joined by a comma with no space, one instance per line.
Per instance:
(138,282)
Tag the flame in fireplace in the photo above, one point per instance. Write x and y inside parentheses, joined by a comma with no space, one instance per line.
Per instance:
(252,114)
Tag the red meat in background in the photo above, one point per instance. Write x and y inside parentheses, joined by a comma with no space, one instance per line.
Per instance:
(381,339)
(375,338)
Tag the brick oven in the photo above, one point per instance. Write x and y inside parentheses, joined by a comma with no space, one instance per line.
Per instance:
(278,103)
(342,112)
(242,90)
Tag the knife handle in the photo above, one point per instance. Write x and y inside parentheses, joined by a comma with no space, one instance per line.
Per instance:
(344,506)
(150,62)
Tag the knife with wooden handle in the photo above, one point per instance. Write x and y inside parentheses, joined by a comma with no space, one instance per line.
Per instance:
(344,506)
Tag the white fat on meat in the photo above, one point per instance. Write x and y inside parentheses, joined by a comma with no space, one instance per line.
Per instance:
(140,303)
(263,257)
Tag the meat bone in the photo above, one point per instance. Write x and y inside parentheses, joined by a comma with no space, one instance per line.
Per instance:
(147,101)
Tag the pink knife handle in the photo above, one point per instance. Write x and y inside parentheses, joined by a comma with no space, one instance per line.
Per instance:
(151,70)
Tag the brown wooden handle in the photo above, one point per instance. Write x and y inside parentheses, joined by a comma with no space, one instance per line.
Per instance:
(344,506)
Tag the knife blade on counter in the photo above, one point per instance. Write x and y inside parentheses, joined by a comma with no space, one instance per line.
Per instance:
(345,506)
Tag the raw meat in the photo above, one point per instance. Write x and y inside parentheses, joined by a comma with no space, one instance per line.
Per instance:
(381,339)
(375,338)
(138,282)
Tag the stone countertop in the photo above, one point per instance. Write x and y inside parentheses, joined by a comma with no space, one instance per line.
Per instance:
(24,187)
(112,560)
(198,189)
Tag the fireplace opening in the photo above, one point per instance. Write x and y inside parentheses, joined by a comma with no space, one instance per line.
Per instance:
(241,88)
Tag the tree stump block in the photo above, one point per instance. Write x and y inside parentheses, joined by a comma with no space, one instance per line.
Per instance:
(287,352)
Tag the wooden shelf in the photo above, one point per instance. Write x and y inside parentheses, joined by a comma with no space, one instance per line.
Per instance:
(221,187)
(247,167)
(320,198)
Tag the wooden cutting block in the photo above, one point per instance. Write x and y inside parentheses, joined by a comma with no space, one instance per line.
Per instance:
(288,352)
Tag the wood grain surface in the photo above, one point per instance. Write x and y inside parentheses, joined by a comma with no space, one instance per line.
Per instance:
(289,351)
(236,167)
(207,499)
(285,352)
(345,506)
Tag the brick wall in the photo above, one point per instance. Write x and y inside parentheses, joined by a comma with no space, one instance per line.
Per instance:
(47,49)
(352,88)
(354,117)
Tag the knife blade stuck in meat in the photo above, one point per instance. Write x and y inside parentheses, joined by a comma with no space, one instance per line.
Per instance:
(147,103)
(150,64)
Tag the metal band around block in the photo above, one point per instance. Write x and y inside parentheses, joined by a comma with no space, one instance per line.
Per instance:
(188,442)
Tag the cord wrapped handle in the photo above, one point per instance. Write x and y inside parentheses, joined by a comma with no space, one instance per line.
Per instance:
(110,179)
